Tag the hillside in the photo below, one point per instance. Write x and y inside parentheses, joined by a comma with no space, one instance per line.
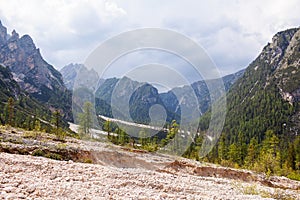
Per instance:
(261,131)
(26,110)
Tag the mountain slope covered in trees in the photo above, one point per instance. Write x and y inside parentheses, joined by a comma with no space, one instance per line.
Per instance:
(262,125)
(17,108)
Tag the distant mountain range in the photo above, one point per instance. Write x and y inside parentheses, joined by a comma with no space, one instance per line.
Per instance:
(144,96)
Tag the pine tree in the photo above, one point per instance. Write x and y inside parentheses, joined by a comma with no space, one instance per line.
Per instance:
(269,158)
(37,125)
(107,128)
(234,153)
(291,157)
(222,148)
(252,153)
(57,121)
(10,110)
(297,152)
(85,119)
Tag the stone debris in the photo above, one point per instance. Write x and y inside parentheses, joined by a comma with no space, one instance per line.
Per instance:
(29,177)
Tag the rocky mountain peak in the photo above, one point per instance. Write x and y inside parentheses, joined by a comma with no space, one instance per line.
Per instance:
(77,75)
(14,35)
(273,53)
(3,34)
(32,72)
(27,44)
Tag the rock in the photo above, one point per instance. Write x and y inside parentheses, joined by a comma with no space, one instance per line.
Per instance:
(70,162)
(8,189)
(31,189)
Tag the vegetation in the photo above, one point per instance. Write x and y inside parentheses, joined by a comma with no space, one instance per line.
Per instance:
(261,131)
(86,119)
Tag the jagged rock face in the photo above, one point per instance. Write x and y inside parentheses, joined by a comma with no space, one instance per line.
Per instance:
(69,73)
(282,56)
(32,72)
(8,86)
(79,76)
(3,34)
(28,66)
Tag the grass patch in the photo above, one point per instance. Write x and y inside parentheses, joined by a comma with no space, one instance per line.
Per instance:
(254,190)
(61,146)
(88,160)
(294,176)
(32,134)
(41,153)
(54,156)
(38,152)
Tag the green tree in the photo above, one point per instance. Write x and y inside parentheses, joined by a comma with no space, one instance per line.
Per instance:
(297,152)
(107,128)
(10,111)
(252,153)
(86,119)
(142,137)
(222,148)
(56,120)
(269,157)
(291,157)
(234,153)
(37,125)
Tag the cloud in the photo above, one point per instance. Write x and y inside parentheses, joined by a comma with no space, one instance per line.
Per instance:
(59,27)
(232,33)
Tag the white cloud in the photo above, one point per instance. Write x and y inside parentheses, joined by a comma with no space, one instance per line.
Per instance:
(61,27)
(232,32)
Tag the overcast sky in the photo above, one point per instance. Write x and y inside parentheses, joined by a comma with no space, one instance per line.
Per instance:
(232,32)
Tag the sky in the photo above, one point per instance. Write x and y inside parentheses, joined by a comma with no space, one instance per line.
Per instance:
(232,32)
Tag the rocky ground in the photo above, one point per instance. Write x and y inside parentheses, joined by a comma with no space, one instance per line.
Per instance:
(121,173)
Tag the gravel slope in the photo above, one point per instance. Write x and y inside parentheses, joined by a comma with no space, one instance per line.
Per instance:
(28,177)
(121,173)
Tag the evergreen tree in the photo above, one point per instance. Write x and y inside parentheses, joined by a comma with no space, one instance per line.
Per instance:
(37,125)
(297,152)
(222,148)
(86,119)
(291,157)
(252,153)
(234,154)
(269,158)
(57,121)
(10,111)
(107,128)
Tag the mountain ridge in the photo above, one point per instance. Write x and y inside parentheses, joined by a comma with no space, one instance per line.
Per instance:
(34,75)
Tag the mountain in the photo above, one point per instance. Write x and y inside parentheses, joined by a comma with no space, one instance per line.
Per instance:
(175,101)
(262,126)
(87,77)
(26,109)
(69,73)
(34,75)
(9,87)
(127,95)
(267,96)
(173,104)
